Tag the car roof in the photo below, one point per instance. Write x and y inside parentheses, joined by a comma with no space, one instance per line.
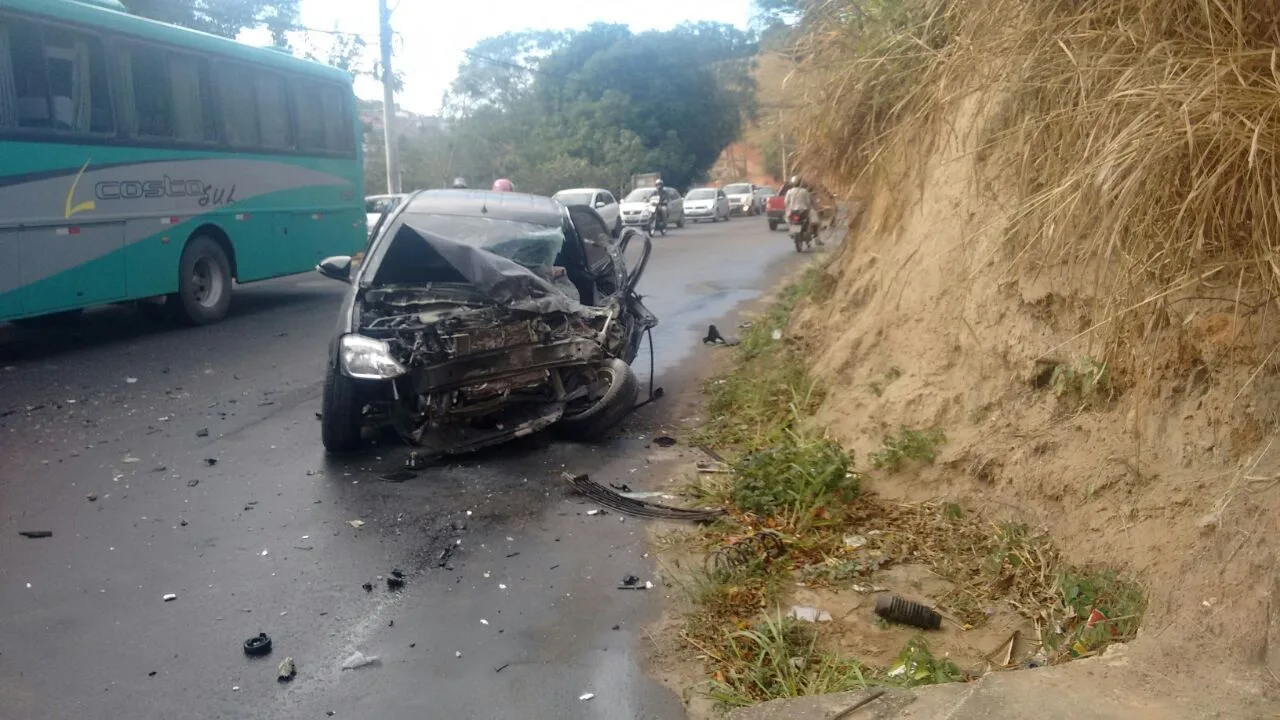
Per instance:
(500,205)
(583,190)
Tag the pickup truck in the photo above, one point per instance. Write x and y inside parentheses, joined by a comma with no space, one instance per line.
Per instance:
(775,210)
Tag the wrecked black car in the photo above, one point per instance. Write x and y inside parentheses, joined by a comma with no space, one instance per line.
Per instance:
(477,317)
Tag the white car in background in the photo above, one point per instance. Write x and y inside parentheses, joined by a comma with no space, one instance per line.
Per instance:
(636,209)
(706,204)
(375,206)
(599,199)
(742,198)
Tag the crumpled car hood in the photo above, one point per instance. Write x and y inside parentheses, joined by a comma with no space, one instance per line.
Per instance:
(504,281)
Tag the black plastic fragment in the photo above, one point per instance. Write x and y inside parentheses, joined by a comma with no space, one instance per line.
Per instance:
(907,612)
(258,645)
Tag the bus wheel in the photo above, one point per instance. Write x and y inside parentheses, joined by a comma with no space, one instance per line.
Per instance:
(204,283)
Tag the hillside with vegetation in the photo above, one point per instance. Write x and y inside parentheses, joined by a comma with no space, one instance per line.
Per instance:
(1044,360)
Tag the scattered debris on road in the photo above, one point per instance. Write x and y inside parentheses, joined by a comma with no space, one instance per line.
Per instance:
(202,433)
(395,581)
(129,460)
(193,482)
(900,610)
(502,667)
(368,587)
(664,441)
(286,670)
(586,696)
(357,524)
(359,660)
(854,541)
(809,614)
(36,534)
(415,461)
(764,545)
(639,508)
(130,380)
(91,497)
(257,645)
(399,476)
(211,461)
(168,597)
(715,338)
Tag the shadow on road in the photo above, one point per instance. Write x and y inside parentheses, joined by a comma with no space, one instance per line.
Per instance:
(116,324)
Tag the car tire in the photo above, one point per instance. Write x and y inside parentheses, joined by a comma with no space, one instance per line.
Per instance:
(616,403)
(773,225)
(340,421)
(204,283)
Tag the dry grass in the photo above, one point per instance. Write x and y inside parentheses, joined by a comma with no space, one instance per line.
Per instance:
(1136,141)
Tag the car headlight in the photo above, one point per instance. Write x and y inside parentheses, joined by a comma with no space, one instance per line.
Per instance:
(365,358)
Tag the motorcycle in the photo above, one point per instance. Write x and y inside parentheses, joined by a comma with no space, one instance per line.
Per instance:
(658,216)
(799,229)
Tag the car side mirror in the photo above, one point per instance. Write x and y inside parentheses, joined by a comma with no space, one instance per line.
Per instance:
(600,204)
(337,267)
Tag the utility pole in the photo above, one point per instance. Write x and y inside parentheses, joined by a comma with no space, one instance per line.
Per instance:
(782,145)
(388,100)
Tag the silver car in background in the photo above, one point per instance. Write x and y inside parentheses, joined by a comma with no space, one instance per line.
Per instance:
(599,199)
(706,204)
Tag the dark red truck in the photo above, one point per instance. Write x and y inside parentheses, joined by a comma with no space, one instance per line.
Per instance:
(775,210)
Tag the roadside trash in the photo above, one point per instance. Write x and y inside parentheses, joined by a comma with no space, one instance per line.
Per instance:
(159,468)
(639,508)
(395,583)
(359,660)
(502,667)
(1095,617)
(91,497)
(809,614)
(648,494)
(169,597)
(368,587)
(193,482)
(623,488)
(1006,650)
(586,696)
(457,653)
(35,534)
(264,553)
(867,589)
(483,621)
(765,545)
(399,476)
(630,580)
(664,441)
(415,461)
(286,671)
(258,645)
(854,541)
(202,432)
(129,459)
(746,325)
(596,511)
(130,380)
(715,338)
(777,334)
(211,461)
(907,612)
(357,524)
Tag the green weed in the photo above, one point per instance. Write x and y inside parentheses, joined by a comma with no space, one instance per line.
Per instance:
(794,479)
(779,658)
(916,665)
(1088,383)
(905,446)
(1120,604)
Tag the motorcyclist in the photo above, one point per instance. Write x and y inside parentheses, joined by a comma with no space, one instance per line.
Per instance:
(459,183)
(660,207)
(503,185)
(799,200)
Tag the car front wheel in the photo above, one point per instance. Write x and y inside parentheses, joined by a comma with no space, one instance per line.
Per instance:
(618,389)
(340,421)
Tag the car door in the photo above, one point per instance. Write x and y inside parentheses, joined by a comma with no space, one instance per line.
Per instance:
(602,262)
(675,205)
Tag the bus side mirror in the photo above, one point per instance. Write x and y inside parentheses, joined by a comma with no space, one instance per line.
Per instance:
(336,268)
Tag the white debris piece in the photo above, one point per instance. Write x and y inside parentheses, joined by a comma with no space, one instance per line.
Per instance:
(264,553)
(167,596)
(357,524)
(586,696)
(854,541)
(809,614)
(483,621)
(131,380)
(359,660)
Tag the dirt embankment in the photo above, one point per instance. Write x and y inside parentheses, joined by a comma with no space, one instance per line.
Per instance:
(1159,457)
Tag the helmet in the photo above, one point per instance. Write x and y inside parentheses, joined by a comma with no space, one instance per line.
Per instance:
(459,182)
(659,183)
(503,185)
(795,181)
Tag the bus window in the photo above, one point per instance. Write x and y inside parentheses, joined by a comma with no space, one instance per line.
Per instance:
(59,79)
(236,102)
(273,113)
(311,117)
(338,134)
(192,104)
(152,91)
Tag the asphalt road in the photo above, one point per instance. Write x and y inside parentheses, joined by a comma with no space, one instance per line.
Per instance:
(188,461)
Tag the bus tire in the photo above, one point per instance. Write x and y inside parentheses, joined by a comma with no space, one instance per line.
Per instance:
(204,283)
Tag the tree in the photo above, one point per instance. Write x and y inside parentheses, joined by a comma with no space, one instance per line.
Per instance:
(222,17)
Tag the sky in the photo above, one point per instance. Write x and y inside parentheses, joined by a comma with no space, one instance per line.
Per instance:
(434,33)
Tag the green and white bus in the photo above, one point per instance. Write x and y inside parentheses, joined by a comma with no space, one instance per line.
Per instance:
(140,160)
